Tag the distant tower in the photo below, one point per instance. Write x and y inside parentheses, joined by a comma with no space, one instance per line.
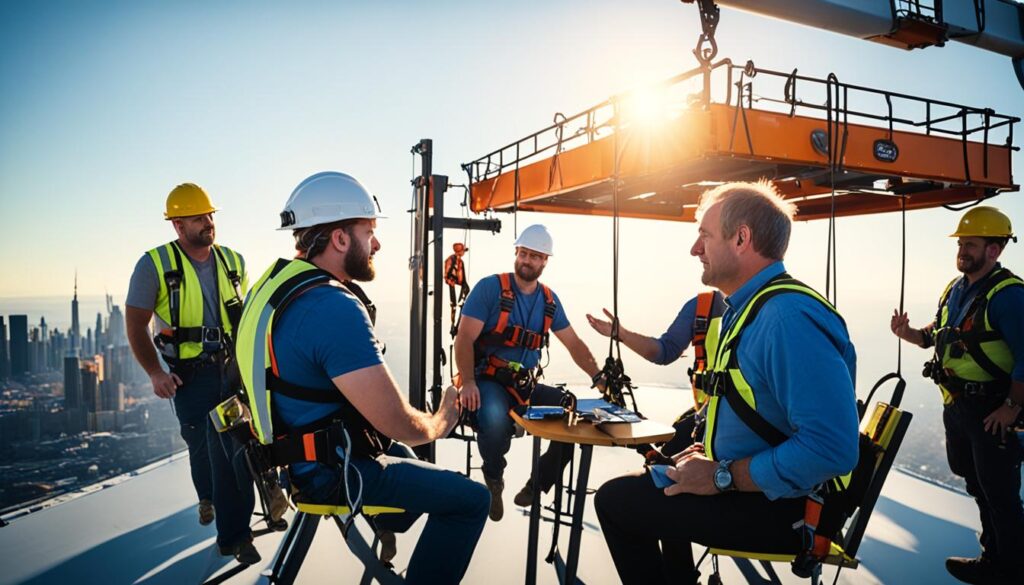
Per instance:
(44,345)
(5,360)
(76,332)
(19,345)
(98,334)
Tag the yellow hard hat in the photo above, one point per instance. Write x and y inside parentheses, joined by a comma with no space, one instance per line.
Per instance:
(984,222)
(188,199)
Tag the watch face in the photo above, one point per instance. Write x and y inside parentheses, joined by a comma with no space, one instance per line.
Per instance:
(723,479)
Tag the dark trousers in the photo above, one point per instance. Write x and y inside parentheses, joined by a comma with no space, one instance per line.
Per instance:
(494,427)
(990,466)
(649,534)
(217,465)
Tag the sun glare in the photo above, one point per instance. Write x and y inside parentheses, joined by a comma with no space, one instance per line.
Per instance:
(646,107)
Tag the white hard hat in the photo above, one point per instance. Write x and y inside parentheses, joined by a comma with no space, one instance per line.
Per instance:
(536,238)
(325,198)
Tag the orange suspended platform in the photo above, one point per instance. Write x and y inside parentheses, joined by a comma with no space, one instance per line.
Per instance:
(665,164)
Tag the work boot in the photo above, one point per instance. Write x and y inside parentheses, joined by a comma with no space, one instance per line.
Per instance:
(388,546)
(979,570)
(206,513)
(245,553)
(525,496)
(495,486)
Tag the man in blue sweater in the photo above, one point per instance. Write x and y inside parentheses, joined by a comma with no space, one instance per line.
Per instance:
(794,369)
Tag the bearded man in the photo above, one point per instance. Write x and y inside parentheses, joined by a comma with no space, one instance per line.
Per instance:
(505,324)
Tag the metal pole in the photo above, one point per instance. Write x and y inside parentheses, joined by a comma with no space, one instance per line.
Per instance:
(438,188)
(418,263)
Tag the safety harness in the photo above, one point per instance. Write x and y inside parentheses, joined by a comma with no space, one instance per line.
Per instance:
(454,271)
(317,441)
(187,336)
(519,381)
(832,502)
(702,329)
(971,359)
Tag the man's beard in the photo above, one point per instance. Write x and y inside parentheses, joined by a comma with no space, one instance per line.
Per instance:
(969,264)
(358,264)
(201,238)
(527,273)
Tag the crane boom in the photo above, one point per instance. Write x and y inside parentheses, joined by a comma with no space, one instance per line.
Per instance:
(992,25)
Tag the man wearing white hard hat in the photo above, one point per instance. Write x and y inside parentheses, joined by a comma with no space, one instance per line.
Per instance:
(315,377)
(505,325)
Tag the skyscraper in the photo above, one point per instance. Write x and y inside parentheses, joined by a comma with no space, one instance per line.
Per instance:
(98,334)
(44,345)
(19,345)
(5,359)
(72,383)
(116,335)
(76,332)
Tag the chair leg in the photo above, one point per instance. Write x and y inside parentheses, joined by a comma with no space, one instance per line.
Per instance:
(374,569)
(293,549)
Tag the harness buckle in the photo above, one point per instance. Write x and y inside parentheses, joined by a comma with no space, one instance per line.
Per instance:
(173,278)
(212,335)
(700,323)
(713,383)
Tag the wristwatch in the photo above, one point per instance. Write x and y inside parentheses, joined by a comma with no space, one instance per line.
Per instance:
(1010,402)
(723,477)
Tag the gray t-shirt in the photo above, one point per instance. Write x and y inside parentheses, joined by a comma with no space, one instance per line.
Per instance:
(145,286)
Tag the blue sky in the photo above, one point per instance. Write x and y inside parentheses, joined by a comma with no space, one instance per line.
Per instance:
(104,108)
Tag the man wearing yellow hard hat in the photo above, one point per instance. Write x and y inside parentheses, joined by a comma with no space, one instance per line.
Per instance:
(195,288)
(978,364)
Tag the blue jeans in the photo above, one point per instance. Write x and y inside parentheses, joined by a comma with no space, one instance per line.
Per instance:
(218,472)
(990,466)
(456,508)
(494,427)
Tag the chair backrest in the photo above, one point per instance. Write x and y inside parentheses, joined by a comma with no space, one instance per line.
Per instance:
(886,428)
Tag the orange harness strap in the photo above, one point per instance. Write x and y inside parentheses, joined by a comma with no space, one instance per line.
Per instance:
(701,322)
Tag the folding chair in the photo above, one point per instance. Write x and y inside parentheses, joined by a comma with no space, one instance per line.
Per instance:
(885,428)
(295,544)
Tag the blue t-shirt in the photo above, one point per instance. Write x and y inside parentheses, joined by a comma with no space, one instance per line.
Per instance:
(321,335)
(484,302)
(1005,314)
(679,334)
(798,358)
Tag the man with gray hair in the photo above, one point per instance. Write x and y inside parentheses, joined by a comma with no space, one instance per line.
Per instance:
(781,418)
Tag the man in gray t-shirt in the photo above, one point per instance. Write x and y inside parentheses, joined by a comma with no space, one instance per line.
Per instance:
(144,287)
(194,291)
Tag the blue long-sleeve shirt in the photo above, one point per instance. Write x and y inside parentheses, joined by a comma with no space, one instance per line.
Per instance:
(679,334)
(798,358)
(1005,314)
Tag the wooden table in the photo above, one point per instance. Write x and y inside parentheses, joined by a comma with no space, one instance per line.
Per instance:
(586,435)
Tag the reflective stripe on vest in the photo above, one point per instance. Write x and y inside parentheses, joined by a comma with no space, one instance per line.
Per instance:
(976,331)
(253,344)
(724,348)
(190,300)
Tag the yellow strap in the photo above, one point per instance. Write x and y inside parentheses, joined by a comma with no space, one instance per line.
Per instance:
(333,510)
(836,556)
